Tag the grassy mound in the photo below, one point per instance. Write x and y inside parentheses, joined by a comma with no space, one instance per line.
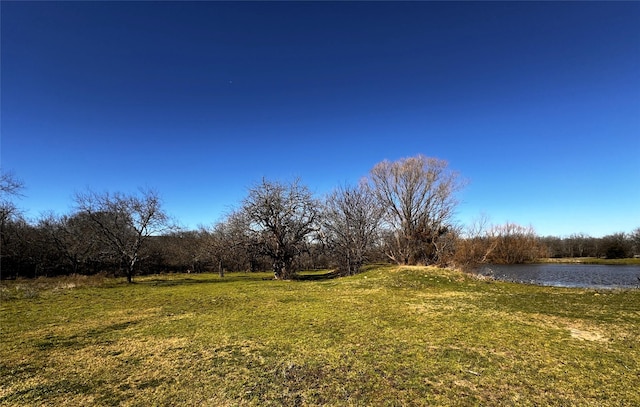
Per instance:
(389,336)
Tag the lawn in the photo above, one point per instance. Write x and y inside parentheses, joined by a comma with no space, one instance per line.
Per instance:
(408,336)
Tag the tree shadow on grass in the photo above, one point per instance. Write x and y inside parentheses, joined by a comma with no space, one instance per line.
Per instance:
(170,281)
(102,334)
(162,281)
(315,276)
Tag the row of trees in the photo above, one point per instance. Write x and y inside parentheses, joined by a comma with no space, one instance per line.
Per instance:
(105,230)
(403,212)
(615,246)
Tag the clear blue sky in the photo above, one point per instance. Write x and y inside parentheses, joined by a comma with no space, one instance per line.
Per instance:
(536,104)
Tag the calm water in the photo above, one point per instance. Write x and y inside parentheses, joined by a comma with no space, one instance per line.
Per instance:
(567,275)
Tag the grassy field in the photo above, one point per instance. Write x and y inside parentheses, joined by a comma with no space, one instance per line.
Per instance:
(409,336)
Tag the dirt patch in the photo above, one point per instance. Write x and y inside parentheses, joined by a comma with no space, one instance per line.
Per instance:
(586,335)
(577,329)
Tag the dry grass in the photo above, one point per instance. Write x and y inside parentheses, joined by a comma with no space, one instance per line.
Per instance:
(390,336)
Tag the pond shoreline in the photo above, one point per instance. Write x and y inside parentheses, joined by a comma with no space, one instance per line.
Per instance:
(574,275)
(588,260)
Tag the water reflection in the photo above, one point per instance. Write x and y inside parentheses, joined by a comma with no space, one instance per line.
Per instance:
(568,275)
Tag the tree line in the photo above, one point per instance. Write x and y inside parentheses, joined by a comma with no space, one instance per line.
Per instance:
(402,212)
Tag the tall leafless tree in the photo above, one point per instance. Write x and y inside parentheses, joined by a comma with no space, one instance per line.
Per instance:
(282,217)
(350,224)
(419,195)
(125,222)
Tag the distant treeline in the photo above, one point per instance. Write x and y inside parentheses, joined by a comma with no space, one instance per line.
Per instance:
(402,213)
(615,246)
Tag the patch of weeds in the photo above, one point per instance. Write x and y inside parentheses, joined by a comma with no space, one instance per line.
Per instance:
(35,288)
(288,383)
(19,292)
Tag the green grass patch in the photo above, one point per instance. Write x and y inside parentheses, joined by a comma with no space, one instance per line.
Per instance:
(396,336)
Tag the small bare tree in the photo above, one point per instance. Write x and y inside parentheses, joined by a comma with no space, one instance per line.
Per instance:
(282,217)
(229,243)
(350,225)
(214,245)
(125,222)
(419,196)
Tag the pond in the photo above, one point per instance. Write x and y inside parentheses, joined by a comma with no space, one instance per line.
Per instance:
(567,275)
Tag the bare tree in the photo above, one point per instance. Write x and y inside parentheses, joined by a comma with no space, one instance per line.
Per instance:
(243,249)
(125,222)
(350,225)
(217,245)
(419,196)
(229,243)
(282,217)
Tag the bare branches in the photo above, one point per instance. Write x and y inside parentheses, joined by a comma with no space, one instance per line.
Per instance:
(281,218)
(508,243)
(350,224)
(419,196)
(231,244)
(125,222)
(10,186)
(511,243)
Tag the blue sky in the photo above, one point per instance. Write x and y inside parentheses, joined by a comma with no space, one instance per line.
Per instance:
(537,105)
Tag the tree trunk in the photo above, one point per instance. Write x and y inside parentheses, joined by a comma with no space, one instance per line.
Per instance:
(132,264)
(277,270)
